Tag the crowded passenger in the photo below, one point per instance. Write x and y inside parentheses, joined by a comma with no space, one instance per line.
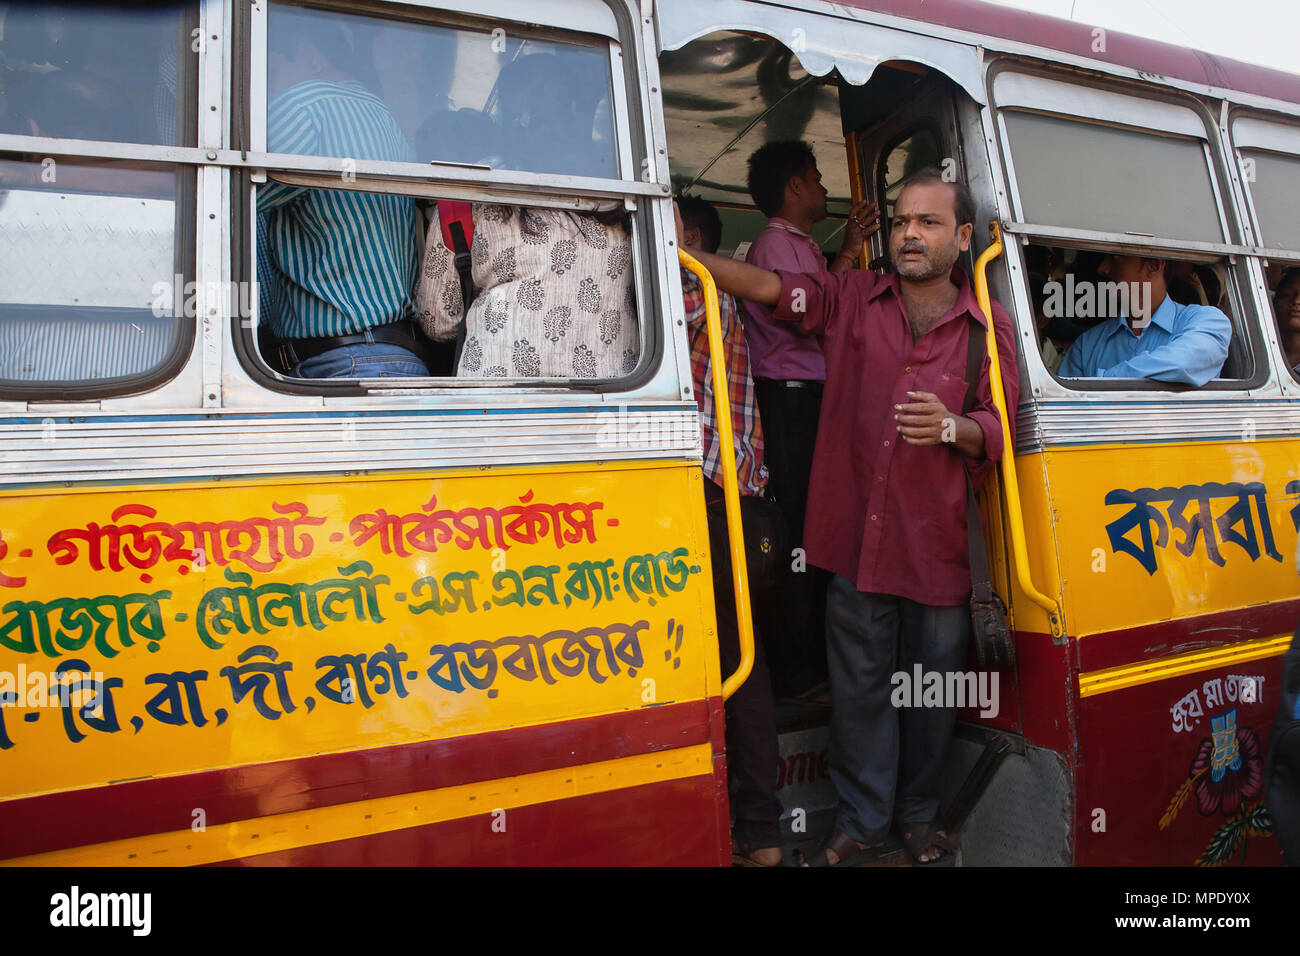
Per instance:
(750,719)
(789,374)
(1047,266)
(1286,310)
(1154,337)
(1048,347)
(338,266)
(552,293)
(887,508)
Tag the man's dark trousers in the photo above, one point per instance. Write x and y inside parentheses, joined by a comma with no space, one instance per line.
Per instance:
(881,756)
(750,714)
(789,415)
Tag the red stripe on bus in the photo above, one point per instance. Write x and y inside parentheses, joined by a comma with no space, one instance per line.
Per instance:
(73,818)
(1132,645)
(670,823)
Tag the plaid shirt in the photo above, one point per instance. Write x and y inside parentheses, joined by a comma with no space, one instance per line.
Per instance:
(747,430)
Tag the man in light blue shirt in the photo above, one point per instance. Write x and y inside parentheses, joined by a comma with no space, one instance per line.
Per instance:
(1157,338)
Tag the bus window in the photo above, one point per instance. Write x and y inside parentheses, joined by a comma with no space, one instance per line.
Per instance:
(1129,184)
(1267,155)
(1075,291)
(1284,295)
(552,294)
(489,97)
(1110,179)
(67,71)
(86,287)
(1274,184)
(95,250)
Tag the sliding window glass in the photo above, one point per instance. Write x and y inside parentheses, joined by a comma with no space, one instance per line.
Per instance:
(93,246)
(1269,156)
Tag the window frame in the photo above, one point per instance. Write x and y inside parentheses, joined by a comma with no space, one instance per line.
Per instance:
(433,180)
(183,160)
(1292,127)
(1289,126)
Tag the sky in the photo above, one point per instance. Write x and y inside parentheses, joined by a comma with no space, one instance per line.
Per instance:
(1256,31)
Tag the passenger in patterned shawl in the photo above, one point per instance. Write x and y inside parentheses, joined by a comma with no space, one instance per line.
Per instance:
(553,294)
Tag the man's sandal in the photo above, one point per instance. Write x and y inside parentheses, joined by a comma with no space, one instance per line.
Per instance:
(919,837)
(849,851)
(743,857)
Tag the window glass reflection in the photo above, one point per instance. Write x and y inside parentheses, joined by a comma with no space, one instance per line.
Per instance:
(87,270)
(99,71)
(455,94)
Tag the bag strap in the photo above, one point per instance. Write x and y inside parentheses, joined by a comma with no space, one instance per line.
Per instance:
(456,220)
(974,356)
(981,586)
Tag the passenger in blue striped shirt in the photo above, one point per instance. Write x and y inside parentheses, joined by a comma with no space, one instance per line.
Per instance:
(342,263)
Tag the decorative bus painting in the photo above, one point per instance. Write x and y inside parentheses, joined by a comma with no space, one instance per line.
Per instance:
(253,615)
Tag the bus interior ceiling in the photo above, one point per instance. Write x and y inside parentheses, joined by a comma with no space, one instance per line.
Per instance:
(727,93)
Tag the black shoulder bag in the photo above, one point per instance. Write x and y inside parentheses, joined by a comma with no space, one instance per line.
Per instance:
(994,647)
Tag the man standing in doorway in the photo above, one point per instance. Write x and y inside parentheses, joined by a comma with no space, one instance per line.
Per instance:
(887,507)
(789,374)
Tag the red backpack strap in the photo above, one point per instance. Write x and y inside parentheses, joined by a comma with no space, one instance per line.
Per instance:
(451,211)
(456,219)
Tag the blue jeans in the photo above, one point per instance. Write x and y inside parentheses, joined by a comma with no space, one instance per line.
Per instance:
(372,360)
(883,759)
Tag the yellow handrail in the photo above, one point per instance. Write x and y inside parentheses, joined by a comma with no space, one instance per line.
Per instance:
(730,485)
(1019,550)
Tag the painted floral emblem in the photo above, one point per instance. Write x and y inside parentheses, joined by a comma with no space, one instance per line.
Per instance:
(1226,774)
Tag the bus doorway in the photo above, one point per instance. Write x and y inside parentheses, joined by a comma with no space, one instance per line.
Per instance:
(725,95)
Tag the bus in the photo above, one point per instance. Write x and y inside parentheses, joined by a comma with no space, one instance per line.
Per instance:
(253,616)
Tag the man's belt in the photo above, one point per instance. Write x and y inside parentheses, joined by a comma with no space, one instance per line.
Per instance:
(791,383)
(295,351)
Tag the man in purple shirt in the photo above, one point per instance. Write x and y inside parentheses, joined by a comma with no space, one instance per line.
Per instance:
(789,372)
(887,513)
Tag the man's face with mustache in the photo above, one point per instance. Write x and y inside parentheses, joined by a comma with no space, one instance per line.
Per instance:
(924,239)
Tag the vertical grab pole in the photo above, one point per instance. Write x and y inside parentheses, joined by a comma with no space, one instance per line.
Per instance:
(855,190)
(1019,549)
(730,484)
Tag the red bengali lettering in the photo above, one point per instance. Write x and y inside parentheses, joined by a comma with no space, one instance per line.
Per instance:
(260,543)
(483,527)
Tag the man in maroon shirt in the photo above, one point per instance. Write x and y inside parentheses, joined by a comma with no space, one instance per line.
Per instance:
(887,504)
